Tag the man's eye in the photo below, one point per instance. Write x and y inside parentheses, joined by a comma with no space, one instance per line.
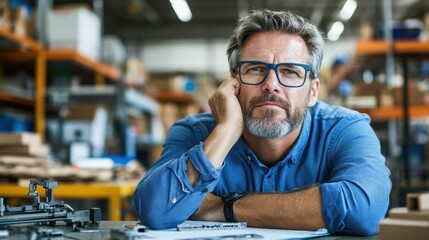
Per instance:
(256,69)
(290,72)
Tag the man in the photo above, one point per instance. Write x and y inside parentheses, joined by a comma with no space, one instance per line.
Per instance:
(269,153)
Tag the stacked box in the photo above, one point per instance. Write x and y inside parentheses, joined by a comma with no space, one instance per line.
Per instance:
(22,155)
(75,28)
(411,222)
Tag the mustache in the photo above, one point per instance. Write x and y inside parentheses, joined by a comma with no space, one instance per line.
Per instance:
(268,98)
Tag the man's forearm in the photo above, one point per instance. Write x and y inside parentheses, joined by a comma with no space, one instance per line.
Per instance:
(216,147)
(297,210)
(226,109)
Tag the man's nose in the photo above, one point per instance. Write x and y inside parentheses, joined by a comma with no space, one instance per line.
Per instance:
(271,83)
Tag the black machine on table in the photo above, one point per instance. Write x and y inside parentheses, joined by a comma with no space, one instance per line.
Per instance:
(49,212)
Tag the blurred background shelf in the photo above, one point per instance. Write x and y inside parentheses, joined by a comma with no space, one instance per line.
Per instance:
(395,112)
(14,47)
(15,100)
(20,49)
(406,59)
(380,47)
(178,97)
(74,56)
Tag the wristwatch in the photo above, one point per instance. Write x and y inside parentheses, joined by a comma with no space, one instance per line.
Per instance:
(229,200)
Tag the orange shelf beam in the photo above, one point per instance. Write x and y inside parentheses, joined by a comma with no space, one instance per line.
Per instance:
(400,47)
(23,41)
(371,47)
(395,113)
(411,47)
(14,99)
(17,56)
(73,55)
(177,97)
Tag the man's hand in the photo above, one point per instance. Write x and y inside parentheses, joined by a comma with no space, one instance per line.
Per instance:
(225,106)
(211,209)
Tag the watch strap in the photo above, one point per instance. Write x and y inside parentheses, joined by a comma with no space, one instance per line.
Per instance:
(228,207)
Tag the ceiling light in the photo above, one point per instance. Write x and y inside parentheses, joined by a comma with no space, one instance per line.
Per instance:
(335,31)
(182,10)
(348,9)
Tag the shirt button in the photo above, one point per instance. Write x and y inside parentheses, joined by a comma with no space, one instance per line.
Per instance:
(173,200)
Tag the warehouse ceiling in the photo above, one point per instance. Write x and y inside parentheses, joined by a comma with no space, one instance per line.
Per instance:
(135,21)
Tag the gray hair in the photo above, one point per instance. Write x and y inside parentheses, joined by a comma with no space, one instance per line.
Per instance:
(264,20)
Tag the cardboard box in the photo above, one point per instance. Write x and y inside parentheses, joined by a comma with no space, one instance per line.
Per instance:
(4,15)
(399,229)
(41,151)
(415,95)
(84,111)
(20,161)
(171,83)
(19,139)
(75,28)
(375,90)
(189,109)
(404,213)
(169,114)
(418,201)
(411,222)
(18,20)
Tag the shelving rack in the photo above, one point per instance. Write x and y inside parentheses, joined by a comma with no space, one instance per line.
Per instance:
(20,48)
(402,50)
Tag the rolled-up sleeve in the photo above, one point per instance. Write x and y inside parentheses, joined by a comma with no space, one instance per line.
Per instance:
(164,197)
(356,197)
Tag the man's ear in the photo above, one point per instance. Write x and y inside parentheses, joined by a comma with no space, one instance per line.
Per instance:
(314,92)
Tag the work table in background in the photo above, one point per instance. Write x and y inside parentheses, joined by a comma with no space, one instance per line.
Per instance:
(114,192)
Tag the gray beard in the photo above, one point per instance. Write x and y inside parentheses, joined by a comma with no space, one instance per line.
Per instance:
(268,126)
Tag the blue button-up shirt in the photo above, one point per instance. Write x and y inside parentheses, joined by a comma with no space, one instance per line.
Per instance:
(336,148)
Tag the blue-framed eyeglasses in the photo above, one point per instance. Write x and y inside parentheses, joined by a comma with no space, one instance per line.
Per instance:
(289,74)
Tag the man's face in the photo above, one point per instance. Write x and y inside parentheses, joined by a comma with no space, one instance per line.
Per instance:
(270,109)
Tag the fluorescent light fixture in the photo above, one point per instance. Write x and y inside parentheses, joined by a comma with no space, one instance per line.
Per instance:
(335,31)
(182,10)
(348,9)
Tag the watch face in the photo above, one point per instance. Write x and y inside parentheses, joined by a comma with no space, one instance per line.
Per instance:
(232,196)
